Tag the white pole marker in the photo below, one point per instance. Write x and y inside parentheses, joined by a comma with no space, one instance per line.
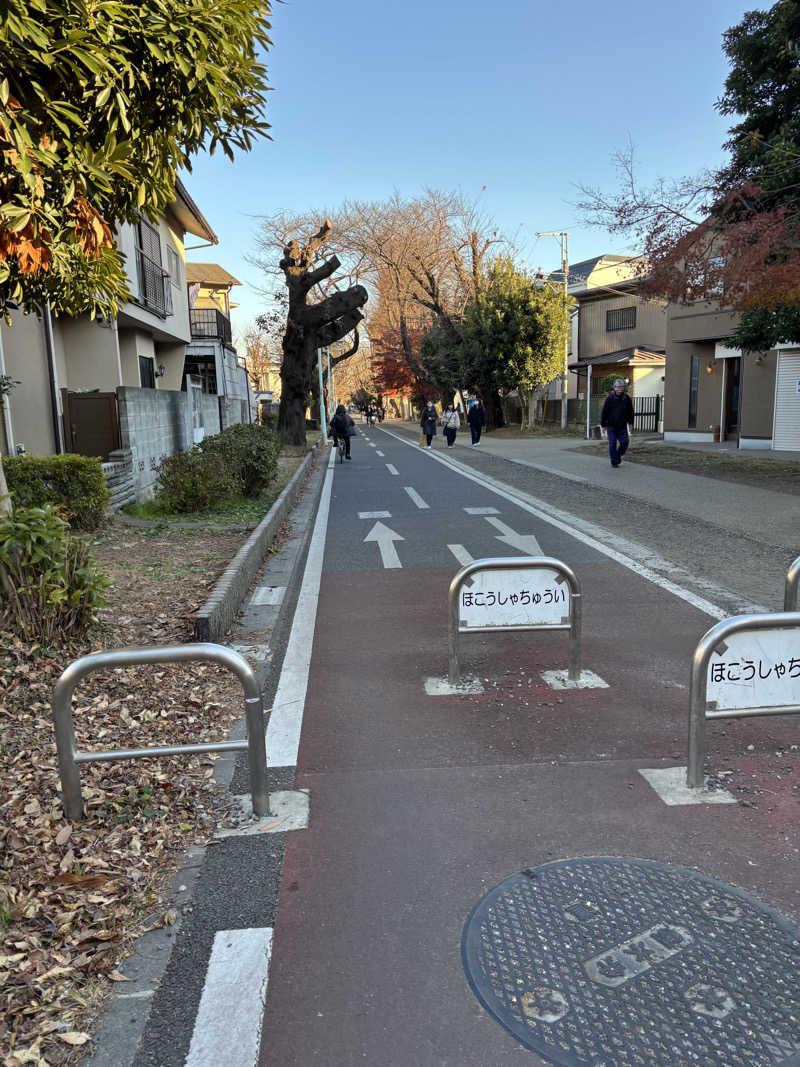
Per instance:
(526,543)
(385,539)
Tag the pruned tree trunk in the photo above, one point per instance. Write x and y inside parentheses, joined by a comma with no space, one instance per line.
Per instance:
(309,327)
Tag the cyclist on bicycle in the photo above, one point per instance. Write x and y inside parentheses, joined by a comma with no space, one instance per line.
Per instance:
(370,415)
(342,426)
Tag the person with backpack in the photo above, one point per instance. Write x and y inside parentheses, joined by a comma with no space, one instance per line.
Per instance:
(342,426)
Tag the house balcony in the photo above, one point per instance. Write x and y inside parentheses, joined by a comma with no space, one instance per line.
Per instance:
(155,286)
(208,322)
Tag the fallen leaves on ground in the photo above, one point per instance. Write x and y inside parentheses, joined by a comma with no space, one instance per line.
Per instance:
(73,897)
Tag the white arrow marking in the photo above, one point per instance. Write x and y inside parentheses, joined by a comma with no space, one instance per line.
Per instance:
(386,538)
(415,496)
(526,543)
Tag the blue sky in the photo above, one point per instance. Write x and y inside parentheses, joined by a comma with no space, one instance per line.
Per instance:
(525,98)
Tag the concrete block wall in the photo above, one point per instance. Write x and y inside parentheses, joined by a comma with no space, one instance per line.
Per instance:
(153,423)
(232,410)
(118,474)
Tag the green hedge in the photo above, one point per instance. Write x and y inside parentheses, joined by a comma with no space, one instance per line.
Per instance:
(250,453)
(192,481)
(73,484)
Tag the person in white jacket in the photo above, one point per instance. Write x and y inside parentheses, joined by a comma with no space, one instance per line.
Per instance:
(451,420)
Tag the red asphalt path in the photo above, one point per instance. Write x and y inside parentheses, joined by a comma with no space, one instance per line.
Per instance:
(419,804)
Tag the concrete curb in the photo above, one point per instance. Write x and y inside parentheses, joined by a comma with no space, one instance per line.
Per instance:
(215,616)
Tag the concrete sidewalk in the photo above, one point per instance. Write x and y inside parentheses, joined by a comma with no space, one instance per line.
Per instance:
(736,508)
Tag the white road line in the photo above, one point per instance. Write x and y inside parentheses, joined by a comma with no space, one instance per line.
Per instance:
(379,453)
(590,534)
(232,1002)
(371,445)
(461,554)
(481,511)
(415,497)
(267,595)
(286,717)
(374,514)
(391,469)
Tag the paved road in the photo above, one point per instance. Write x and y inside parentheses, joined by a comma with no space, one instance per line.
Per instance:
(421,803)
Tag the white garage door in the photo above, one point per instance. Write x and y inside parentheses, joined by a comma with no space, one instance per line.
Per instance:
(787,402)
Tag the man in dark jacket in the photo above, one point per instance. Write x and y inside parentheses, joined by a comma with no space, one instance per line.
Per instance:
(476,418)
(615,418)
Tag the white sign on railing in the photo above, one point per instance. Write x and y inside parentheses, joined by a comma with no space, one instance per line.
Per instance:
(494,598)
(757,669)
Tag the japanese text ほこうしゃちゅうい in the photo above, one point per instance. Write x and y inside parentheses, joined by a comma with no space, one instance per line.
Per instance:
(747,669)
(524,597)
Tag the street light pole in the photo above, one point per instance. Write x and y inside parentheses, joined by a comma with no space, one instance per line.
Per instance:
(564,237)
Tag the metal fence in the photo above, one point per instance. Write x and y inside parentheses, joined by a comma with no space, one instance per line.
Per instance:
(69,758)
(571,622)
(646,413)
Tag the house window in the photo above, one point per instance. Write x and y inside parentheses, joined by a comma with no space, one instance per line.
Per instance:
(174,265)
(621,319)
(147,372)
(694,378)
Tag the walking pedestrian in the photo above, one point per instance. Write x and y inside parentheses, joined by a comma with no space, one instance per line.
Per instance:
(450,423)
(476,417)
(616,419)
(342,426)
(428,423)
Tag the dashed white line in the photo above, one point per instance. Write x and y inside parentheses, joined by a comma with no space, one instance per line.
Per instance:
(233,1000)
(374,514)
(392,469)
(379,453)
(461,554)
(415,497)
(481,511)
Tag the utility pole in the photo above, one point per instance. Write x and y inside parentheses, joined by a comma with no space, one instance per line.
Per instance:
(564,237)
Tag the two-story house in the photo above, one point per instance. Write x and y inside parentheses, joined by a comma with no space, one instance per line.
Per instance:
(616,333)
(103,387)
(69,369)
(211,355)
(717,393)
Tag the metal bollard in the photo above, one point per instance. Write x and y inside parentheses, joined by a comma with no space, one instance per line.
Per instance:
(69,758)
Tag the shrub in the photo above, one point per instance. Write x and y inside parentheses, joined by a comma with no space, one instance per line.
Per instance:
(193,481)
(73,484)
(49,587)
(250,453)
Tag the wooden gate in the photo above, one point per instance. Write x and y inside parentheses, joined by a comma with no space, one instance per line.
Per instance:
(91,424)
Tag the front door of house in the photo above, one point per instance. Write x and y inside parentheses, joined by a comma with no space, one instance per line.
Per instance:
(733,378)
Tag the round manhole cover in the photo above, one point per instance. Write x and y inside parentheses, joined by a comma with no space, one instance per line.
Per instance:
(610,962)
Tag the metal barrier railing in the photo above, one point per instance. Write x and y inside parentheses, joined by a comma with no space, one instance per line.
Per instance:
(69,758)
(571,620)
(791,588)
(739,670)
